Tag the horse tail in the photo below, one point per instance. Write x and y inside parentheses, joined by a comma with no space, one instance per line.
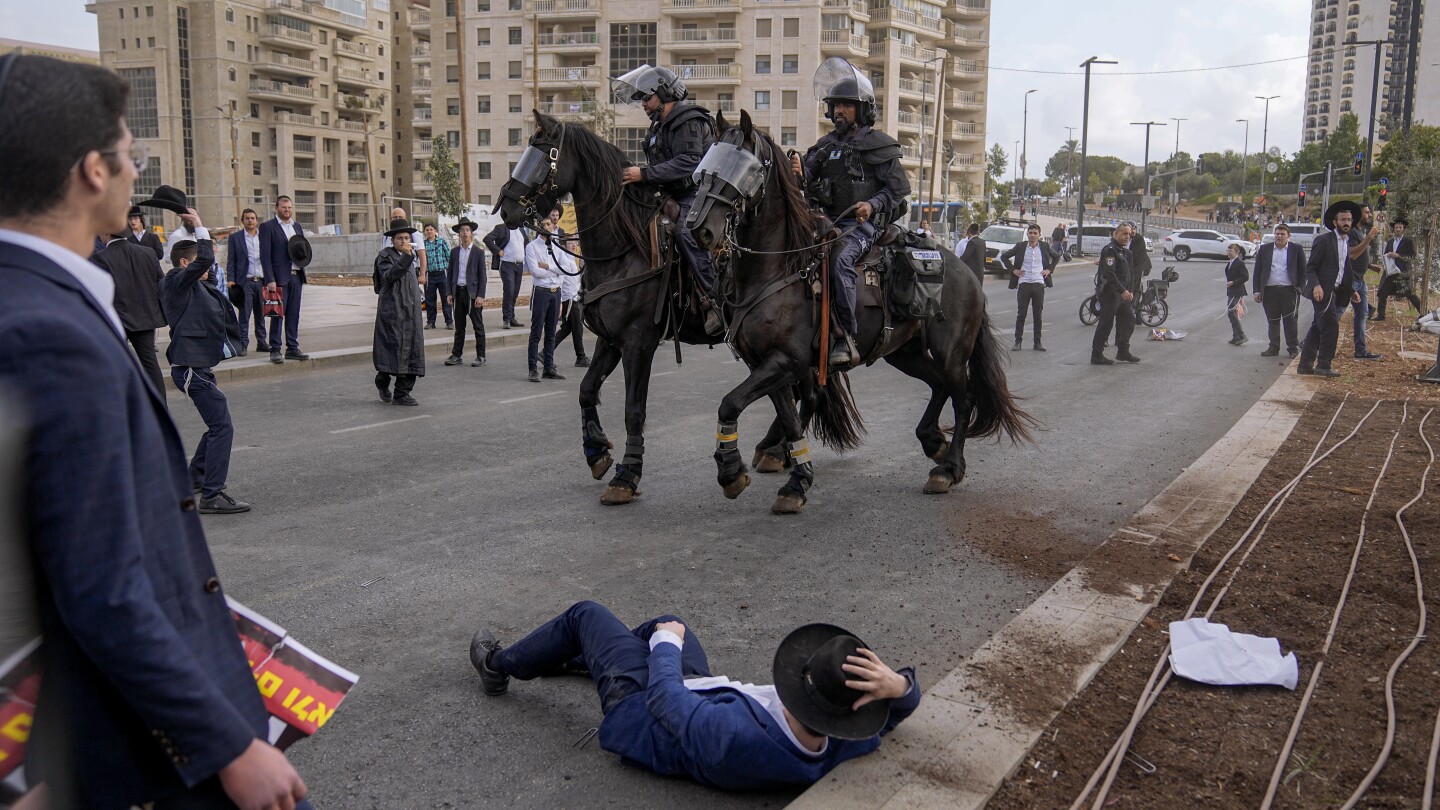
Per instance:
(993,408)
(838,424)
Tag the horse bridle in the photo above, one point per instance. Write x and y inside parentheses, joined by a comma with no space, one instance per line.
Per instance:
(706,197)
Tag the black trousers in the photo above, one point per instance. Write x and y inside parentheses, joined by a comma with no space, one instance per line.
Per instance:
(510,273)
(1029,296)
(404,383)
(290,297)
(1282,309)
(1115,313)
(544,313)
(1318,348)
(1231,303)
(143,341)
(467,309)
(210,465)
(435,292)
(254,308)
(1387,291)
(572,325)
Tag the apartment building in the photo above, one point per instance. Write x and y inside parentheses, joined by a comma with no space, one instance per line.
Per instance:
(53,51)
(244,100)
(1341,76)
(493,61)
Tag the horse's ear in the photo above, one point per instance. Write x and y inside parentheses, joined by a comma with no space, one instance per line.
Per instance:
(544,124)
(720,123)
(746,125)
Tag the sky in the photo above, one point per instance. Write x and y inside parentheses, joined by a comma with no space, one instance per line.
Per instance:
(1057,35)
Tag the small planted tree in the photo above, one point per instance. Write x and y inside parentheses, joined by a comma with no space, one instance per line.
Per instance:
(444,175)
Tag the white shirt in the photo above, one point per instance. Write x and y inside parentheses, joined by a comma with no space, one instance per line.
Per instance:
(960,245)
(1280,268)
(514,247)
(252,255)
(537,253)
(1033,269)
(764,694)
(464,262)
(97,282)
(569,288)
(176,235)
(288,226)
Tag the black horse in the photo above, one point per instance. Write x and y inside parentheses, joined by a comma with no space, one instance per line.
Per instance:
(632,297)
(766,229)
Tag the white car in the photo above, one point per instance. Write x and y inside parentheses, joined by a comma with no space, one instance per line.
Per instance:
(998,239)
(1213,244)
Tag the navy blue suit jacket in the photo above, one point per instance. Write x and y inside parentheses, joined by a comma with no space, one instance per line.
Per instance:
(721,737)
(146,687)
(475,274)
(275,252)
(237,258)
(202,322)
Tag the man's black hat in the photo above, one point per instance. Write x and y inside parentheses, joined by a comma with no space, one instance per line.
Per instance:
(1399,221)
(299,250)
(1339,208)
(135,212)
(168,198)
(399,226)
(464,223)
(812,687)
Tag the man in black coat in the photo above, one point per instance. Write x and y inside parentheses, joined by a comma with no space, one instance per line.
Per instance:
(203,332)
(1235,277)
(1330,271)
(137,275)
(507,249)
(140,235)
(1395,281)
(1030,264)
(465,290)
(974,253)
(1279,286)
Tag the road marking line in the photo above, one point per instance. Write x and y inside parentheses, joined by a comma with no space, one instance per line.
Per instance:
(663,373)
(532,396)
(382,424)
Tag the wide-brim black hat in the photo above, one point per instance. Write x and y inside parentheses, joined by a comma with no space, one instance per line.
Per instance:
(464,222)
(399,226)
(1340,207)
(1399,221)
(135,212)
(299,249)
(168,198)
(812,687)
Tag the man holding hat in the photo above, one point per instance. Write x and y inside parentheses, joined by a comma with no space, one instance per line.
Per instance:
(465,289)
(281,242)
(833,698)
(1330,270)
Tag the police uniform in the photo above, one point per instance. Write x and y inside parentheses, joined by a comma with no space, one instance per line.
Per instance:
(673,148)
(1116,276)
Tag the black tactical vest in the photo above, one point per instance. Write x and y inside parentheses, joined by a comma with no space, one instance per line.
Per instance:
(844,178)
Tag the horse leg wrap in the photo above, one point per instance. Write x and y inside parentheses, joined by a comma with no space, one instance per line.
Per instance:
(802,475)
(727,451)
(628,473)
(596,443)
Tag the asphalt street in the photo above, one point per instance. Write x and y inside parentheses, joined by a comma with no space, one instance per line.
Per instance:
(475,507)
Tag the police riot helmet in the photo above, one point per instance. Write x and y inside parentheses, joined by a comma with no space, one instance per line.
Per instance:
(646,81)
(838,80)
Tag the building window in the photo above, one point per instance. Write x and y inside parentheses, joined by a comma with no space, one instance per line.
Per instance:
(453,139)
(517,5)
(762,65)
(230,46)
(484,170)
(787,136)
(631,141)
(141,111)
(792,27)
(482,6)
(515,35)
(515,69)
(790,64)
(789,99)
(762,29)
(514,136)
(631,45)
(482,71)
(514,104)
(149,179)
(762,99)
(485,199)
(483,103)
(232,74)
(483,136)
(449,40)
(482,37)
(255,140)
(149,11)
(452,106)
(255,167)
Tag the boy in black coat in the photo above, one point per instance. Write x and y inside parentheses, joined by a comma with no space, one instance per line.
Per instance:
(1235,277)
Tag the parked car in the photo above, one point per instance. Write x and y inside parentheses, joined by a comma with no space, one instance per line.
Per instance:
(1096,237)
(1200,243)
(1301,233)
(998,239)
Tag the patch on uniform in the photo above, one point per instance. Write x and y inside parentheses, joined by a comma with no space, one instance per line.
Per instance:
(1110,261)
(837,154)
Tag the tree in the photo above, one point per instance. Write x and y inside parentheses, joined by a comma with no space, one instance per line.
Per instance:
(1049,188)
(1064,165)
(444,175)
(995,163)
(1420,143)
(1003,198)
(1416,189)
(601,117)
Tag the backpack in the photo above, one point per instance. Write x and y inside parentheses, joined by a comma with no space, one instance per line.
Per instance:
(917,277)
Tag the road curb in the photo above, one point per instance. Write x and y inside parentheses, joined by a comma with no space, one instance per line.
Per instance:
(965,740)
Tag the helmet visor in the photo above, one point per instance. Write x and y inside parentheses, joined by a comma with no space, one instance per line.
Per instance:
(532,169)
(634,87)
(836,78)
(736,166)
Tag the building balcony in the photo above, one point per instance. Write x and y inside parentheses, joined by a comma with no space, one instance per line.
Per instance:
(422,146)
(908,119)
(357,176)
(716,105)
(419,18)
(307,173)
(915,54)
(346,125)
(918,89)
(421,52)
(965,37)
(698,7)
(353,77)
(568,110)
(421,87)
(562,77)
(703,39)
(294,119)
(966,131)
(304,147)
(972,100)
(965,70)
(966,9)
(708,74)
(557,10)
(422,117)
(276,34)
(569,42)
(354,50)
(358,104)
(843,43)
(279,63)
(910,21)
(355,151)
(421,184)
(281,90)
(858,9)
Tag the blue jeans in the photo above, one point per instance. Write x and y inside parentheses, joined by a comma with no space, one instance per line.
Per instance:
(544,315)
(1362,312)
(211,463)
(617,656)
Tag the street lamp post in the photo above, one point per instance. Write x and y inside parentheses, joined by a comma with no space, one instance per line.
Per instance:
(1265,141)
(925,99)
(1070,159)
(234,155)
(1084,146)
(1175,181)
(1244,153)
(1143,210)
(1025,136)
(1014,172)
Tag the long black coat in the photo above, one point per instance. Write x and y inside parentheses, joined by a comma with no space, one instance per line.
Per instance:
(137,276)
(399,335)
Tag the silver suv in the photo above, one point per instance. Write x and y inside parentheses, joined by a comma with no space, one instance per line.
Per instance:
(1201,243)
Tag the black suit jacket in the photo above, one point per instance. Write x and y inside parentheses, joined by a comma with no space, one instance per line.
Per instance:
(1294,261)
(1015,257)
(1322,270)
(974,256)
(475,275)
(275,253)
(496,241)
(137,277)
(149,240)
(201,319)
(1235,276)
(1406,249)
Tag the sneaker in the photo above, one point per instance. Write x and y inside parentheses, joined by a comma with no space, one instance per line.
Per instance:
(1294,353)
(296,354)
(1328,373)
(222,504)
(517,324)
(482,646)
(452,360)
(552,374)
(1126,357)
(1016,347)
(582,362)
(477,362)
(1377,317)
(1241,341)
(534,375)
(1368,356)
(405,399)
(429,326)
(1099,359)
(449,325)
(275,357)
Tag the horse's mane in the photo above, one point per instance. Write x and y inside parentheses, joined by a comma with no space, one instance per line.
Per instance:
(799,222)
(603,163)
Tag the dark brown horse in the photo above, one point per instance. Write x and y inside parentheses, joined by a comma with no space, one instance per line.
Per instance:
(766,235)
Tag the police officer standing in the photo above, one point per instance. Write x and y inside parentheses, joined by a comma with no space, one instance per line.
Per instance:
(854,174)
(1116,282)
(679,135)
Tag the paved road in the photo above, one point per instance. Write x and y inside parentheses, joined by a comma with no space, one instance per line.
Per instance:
(475,507)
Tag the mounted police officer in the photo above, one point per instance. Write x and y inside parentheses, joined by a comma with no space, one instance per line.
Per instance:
(854,174)
(1116,283)
(679,135)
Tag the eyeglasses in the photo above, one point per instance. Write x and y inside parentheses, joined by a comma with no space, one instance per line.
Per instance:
(139,155)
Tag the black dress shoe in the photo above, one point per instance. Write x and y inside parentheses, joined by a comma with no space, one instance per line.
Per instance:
(1308,371)
(534,375)
(384,392)
(452,360)
(477,362)
(1273,351)
(1377,318)
(1039,347)
(262,347)
(1369,356)
(1127,357)
(582,362)
(482,646)
(405,399)
(222,504)
(1241,341)
(505,325)
(517,324)
(1326,372)
(244,351)
(275,357)
(1294,353)
(1098,359)
(552,374)
(296,354)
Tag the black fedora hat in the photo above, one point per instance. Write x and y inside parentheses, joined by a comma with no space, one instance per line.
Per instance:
(1399,221)
(168,198)
(1341,207)
(464,223)
(399,226)
(135,212)
(298,249)
(812,687)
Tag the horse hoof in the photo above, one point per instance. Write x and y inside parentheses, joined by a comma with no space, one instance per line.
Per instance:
(616,495)
(939,484)
(766,463)
(939,455)
(600,466)
(787,504)
(734,488)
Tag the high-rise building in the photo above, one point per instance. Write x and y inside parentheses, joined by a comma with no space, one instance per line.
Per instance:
(496,60)
(245,100)
(1341,76)
(52,51)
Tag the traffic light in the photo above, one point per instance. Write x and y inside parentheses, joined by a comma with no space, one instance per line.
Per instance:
(1302,199)
(1359,163)
(1383,192)
(1200,164)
